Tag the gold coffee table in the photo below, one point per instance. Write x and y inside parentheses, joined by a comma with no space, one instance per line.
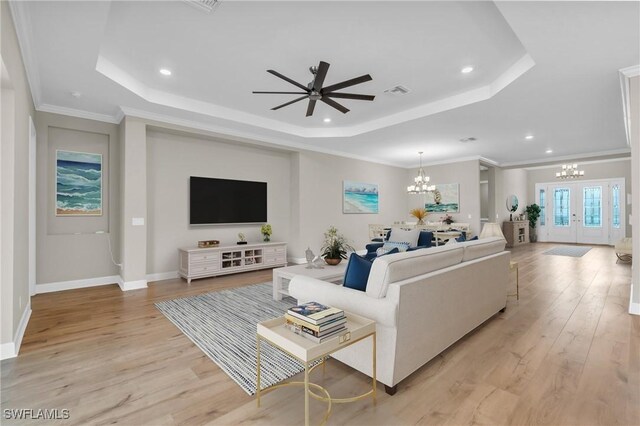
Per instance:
(307,352)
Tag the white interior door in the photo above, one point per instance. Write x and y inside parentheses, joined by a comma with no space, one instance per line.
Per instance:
(563,219)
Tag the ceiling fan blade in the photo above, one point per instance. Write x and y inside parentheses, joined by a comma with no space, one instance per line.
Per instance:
(350,96)
(347,83)
(311,107)
(287,79)
(290,102)
(334,104)
(280,93)
(318,81)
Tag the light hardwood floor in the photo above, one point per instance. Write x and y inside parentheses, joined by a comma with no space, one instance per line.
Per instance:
(567,353)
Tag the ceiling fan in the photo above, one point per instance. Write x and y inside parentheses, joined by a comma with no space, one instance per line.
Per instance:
(315,92)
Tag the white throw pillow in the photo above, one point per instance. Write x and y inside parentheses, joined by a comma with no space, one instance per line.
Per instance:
(410,236)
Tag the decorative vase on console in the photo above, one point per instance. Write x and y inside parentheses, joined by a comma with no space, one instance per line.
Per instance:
(266,232)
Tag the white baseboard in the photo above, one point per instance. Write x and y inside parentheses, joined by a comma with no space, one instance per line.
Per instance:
(11,349)
(131,285)
(159,276)
(7,350)
(70,285)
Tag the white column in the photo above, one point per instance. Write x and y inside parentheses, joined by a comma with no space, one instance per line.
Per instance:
(634,136)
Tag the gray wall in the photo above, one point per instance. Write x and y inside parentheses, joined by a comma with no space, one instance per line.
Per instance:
(601,170)
(172,159)
(68,248)
(514,182)
(319,193)
(467,175)
(14,226)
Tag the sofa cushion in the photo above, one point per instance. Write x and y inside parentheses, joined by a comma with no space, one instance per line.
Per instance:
(410,236)
(357,273)
(483,247)
(397,267)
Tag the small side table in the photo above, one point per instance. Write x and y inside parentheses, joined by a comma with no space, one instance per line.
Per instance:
(514,265)
(307,352)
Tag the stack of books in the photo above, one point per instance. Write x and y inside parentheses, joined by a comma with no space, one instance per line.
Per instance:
(316,322)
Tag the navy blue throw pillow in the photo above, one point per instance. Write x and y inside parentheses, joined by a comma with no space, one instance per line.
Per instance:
(473,239)
(357,272)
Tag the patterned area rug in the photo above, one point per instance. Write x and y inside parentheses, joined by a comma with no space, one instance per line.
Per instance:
(573,251)
(223,325)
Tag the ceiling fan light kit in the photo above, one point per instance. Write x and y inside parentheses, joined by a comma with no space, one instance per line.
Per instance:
(315,92)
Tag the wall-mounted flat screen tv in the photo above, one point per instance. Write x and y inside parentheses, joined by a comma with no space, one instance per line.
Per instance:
(218,201)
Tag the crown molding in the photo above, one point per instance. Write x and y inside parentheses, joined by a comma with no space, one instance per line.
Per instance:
(555,165)
(625,75)
(158,97)
(529,164)
(56,109)
(158,120)
(22,24)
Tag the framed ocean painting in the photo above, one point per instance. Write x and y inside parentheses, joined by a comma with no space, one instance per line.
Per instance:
(359,197)
(78,183)
(445,199)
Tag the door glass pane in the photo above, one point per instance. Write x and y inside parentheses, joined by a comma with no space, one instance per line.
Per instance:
(561,207)
(615,204)
(542,209)
(592,206)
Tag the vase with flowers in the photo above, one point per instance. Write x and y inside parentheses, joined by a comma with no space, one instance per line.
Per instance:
(419,214)
(266,232)
(335,246)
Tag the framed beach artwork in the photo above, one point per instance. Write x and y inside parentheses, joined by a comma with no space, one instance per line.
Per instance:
(359,197)
(78,183)
(445,199)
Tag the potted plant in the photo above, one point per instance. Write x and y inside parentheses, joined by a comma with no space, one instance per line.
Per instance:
(533,213)
(335,246)
(419,214)
(266,232)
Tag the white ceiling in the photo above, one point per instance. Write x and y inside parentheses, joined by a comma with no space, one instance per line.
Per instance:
(544,68)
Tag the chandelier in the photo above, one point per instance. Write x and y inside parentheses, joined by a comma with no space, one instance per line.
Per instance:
(569,171)
(421,182)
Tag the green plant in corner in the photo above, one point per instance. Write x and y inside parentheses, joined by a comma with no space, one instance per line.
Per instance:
(533,213)
(266,232)
(335,246)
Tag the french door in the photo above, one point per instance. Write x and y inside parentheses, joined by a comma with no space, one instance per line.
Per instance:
(586,212)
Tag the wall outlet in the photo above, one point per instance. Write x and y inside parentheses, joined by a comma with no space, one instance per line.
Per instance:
(137,221)
(469,216)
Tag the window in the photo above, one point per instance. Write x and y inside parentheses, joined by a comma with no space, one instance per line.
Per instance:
(542,209)
(592,207)
(615,206)
(561,199)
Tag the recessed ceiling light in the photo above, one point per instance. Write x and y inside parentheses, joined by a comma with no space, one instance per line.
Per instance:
(165,71)
(327,120)
(528,137)
(549,151)
(466,70)
(76,94)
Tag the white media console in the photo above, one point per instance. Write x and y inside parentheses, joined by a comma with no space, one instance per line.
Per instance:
(209,262)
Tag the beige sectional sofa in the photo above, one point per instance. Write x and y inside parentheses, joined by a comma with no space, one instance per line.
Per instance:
(422,301)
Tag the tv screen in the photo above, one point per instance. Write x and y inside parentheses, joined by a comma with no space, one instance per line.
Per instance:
(226,201)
